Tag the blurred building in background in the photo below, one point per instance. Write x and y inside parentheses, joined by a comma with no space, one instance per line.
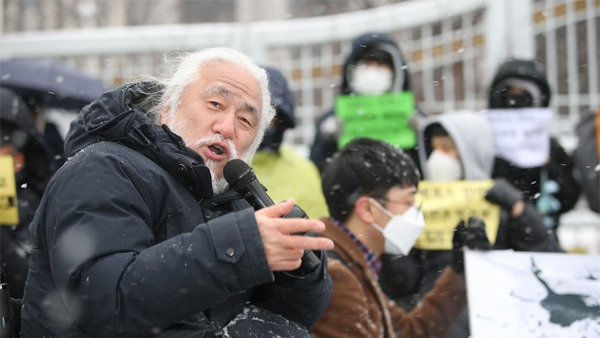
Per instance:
(453,47)
(37,15)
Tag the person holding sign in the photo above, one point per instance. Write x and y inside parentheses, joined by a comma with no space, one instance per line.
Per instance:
(456,152)
(375,101)
(519,86)
(26,163)
(370,188)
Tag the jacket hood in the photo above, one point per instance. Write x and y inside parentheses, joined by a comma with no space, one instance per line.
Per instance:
(14,115)
(472,136)
(529,70)
(121,116)
(281,97)
(283,102)
(376,42)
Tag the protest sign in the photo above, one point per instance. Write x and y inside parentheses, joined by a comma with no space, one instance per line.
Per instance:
(529,294)
(9,211)
(444,204)
(521,136)
(384,117)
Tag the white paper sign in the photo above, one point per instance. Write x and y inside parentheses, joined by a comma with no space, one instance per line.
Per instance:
(526,294)
(521,136)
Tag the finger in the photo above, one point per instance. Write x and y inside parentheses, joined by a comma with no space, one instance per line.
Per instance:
(475,222)
(279,209)
(285,254)
(284,259)
(287,265)
(294,226)
(307,242)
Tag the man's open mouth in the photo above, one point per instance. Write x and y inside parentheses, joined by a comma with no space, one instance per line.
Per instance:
(216,149)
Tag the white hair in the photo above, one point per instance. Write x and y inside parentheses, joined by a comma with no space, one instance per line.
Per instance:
(187,71)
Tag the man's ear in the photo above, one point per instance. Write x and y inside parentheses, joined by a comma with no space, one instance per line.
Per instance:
(363,209)
(162,119)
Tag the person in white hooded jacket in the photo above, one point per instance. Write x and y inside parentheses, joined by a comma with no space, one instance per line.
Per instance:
(459,146)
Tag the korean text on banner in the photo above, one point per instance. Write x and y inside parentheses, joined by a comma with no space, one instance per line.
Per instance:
(532,294)
(521,136)
(445,204)
(9,211)
(384,117)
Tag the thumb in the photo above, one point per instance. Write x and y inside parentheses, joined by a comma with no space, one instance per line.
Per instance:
(279,209)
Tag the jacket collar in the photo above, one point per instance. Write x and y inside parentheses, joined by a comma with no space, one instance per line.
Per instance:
(117,117)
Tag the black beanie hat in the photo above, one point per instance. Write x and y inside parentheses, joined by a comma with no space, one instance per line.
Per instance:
(529,70)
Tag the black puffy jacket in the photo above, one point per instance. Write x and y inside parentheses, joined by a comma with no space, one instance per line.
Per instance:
(129,240)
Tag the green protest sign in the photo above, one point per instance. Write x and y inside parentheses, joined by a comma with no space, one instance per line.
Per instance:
(384,117)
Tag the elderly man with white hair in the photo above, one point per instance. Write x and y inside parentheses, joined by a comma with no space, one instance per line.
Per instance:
(138,233)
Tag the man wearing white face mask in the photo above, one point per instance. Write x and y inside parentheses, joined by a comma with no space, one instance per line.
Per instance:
(375,66)
(370,189)
(372,77)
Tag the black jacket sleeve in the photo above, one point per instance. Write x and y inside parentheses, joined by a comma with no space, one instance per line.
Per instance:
(560,169)
(526,232)
(586,160)
(300,299)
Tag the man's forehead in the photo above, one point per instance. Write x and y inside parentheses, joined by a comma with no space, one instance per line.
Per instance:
(402,191)
(221,90)
(442,139)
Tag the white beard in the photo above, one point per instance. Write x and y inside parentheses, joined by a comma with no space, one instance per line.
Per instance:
(219,184)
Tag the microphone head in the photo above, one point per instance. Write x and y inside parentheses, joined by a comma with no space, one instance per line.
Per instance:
(238,174)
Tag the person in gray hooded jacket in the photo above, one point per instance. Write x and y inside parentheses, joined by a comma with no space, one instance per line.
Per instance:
(459,146)
(138,234)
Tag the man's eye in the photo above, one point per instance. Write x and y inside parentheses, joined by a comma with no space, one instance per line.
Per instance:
(246,122)
(216,104)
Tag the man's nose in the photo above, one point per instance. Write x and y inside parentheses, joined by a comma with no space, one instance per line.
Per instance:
(225,124)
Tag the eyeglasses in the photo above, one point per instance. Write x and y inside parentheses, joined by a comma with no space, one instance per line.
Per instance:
(384,200)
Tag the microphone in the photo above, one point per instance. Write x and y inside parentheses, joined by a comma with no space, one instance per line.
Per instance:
(242,179)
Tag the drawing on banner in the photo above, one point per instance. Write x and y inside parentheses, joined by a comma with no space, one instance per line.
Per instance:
(526,294)
(565,309)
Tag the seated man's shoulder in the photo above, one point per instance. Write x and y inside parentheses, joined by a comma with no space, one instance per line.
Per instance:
(106,152)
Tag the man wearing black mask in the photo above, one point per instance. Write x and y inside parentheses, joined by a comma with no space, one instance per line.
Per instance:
(521,83)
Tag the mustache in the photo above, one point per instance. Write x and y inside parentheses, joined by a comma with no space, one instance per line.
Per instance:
(233,153)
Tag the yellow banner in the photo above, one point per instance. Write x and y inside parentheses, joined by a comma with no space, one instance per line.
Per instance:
(9,211)
(445,204)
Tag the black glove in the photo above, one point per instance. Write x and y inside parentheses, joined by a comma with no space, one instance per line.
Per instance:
(504,194)
(528,233)
(472,236)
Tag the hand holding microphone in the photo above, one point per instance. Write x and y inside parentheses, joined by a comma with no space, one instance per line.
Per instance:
(281,225)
